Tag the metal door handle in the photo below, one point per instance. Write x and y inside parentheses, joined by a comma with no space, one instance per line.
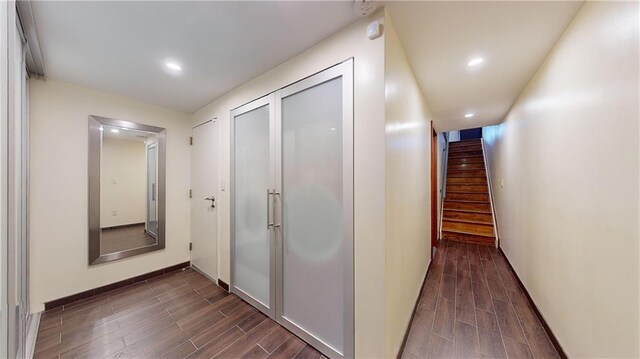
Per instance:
(153,191)
(269,223)
(275,209)
(213,201)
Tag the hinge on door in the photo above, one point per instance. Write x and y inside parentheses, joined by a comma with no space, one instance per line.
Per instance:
(190,245)
(190,140)
(190,193)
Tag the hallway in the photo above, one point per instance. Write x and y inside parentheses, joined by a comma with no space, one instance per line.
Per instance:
(319,179)
(472,306)
(181,314)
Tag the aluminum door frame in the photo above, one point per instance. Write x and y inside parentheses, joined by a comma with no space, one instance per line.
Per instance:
(344,70)
(268,100)
(154,189)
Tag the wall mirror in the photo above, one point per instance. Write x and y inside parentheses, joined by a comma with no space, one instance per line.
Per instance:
(126,189)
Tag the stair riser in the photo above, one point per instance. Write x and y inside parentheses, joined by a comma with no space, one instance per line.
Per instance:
(466,180)
(465,153)
(465,142)
(471,228)
(466,173)
(465,166)
(485,218)
(475,207)
(478,197)
(460,160)
(460,237)
(465,148)
(467,188)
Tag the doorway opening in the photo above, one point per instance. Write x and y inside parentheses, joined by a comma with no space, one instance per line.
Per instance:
(434,189)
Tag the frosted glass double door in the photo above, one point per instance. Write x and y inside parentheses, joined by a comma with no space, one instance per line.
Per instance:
(292,208)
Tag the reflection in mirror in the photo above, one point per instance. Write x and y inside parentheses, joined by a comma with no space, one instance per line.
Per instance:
(126,189)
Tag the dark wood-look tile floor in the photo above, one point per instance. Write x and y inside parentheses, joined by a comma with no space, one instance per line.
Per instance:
(178,315)
(123,238)
(472,306)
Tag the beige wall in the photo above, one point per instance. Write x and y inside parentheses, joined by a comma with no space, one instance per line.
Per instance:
(58,183)
(123,182)
(568,212)
(407,189)
(369,164)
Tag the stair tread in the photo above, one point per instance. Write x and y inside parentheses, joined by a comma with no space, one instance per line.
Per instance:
(471,210)
(470,197)
(488,243)
(464,168)
(462,148)
(465,148)
(473,140)
(469,232)
(462,201)
(471,221)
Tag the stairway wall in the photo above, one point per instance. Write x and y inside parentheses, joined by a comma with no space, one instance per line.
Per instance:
(407,190)
(568,212)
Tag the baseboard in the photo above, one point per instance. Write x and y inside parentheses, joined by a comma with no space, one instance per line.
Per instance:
(222,284)
(99,290)
(413,313)
(33,324)
(546,326)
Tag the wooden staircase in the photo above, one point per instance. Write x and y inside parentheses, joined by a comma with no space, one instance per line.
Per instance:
(467,214)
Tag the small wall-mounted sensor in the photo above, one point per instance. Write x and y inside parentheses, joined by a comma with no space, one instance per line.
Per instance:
(374,30)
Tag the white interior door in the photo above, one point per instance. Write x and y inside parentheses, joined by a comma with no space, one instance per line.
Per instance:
(252,192)
(204,190)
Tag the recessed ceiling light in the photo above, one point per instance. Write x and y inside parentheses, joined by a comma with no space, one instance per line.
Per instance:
(173,66)
(115,130)
(332,128)
(475,62)
(468,115)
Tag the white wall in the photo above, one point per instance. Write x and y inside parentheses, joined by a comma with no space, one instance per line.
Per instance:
(407,191)
(123,182)
(58,173)
(568,212)
(369,171)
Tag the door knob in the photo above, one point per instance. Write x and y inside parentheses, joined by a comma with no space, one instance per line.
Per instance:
(213,201)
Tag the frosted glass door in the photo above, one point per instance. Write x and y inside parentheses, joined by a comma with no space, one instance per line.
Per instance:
(316,185)
(253,187)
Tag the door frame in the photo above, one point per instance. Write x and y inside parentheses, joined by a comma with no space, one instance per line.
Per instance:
(344,70)
(268,100)
(208,267)
(154,189)
(434,189)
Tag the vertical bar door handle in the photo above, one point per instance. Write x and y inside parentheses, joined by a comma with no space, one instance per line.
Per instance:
(269,223)
(153,191)
(276,195)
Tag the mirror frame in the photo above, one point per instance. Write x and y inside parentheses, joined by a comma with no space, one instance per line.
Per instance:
(95,122)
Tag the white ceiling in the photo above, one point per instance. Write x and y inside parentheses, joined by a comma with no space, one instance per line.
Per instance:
(121,47)
(440,38)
